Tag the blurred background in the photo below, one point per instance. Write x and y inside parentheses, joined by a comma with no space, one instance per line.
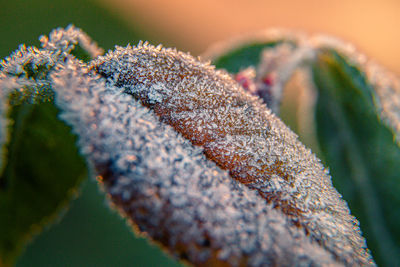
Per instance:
(372,25)
(193,25)
(90,234)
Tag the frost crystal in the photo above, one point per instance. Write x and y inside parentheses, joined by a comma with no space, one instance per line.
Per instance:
(32,65)
(240,135)
(26,70)
(54,48)
(168,188)
(65,40)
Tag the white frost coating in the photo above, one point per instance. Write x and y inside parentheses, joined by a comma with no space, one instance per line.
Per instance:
(17,69)
(325,217)
(15,63)
(241,135)
(25,62)
(54,48)
(65,40)
(285,62)
(169,189)
(155,92)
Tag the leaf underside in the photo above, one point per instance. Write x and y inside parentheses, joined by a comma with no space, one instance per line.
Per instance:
(42,172)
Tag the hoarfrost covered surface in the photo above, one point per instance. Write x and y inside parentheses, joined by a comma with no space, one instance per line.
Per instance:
(21,65)
(54,48)
(264,36)
(276,67)
(26,69)
(168,187)
(65,40)
(241,135)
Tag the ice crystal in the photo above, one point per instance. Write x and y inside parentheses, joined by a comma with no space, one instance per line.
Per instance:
(34,64)
(241,135)
(54,48)
(168,188)
(65,40)
(25,72)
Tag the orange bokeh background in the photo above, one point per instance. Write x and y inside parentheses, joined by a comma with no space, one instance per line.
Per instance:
(373,26)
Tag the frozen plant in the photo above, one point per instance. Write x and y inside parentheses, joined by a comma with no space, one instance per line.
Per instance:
(192,155)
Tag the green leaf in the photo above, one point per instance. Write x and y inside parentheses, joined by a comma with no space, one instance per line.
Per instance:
(361,152)
(42,173)
(80,53)
(243,56)
(93,234)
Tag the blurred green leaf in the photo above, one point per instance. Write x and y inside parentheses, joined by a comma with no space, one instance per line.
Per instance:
(43,171)
(242,57)
(360,151)
(93,234)
(81,53)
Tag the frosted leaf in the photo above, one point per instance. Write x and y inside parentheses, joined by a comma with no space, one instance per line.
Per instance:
(384,89)
(16,77)
(34,64)
(30,66)
(279,64)
(54,48)
(241,135)
(386,84)
(168,189)
(25,72)
(64,41)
